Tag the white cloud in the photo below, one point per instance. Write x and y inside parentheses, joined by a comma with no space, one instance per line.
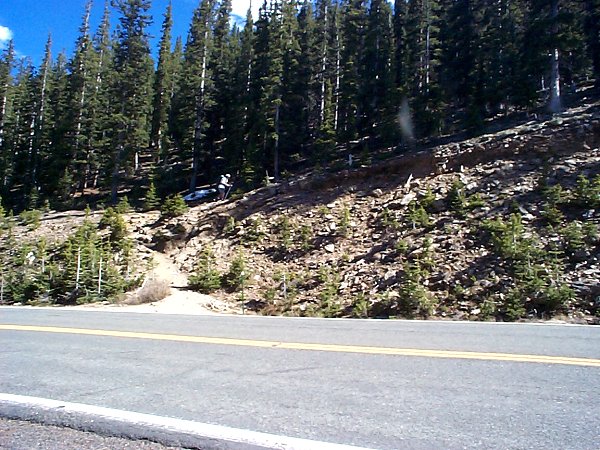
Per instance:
(5,36)
(240,8)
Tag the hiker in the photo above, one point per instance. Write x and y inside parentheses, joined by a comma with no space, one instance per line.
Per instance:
(224,186)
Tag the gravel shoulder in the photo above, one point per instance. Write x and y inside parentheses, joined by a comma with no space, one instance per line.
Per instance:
(21,435)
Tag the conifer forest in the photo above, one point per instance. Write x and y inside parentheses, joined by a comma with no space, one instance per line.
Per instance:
(291,89)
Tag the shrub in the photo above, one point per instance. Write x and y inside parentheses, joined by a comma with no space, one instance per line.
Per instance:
(587,192)
(206,278)
(456,198)
(428,199)
(123,207)
(329,304)
(174,206)
(344,221)
(306,237)
(118,227)
(284,229)
(254,230)
(31,218)
(418,216)
(153,290)
(508,238)
(229,225)
(401,246)
(151,201)
(360,306)
(554,197)
(237,275)
(414,296)
(488,309)
(573,237)
(388,219)
(476,201)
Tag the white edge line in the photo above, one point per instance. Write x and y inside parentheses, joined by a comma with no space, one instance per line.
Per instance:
(165,430)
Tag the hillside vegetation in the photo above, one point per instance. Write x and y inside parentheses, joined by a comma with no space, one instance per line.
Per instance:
(500,227)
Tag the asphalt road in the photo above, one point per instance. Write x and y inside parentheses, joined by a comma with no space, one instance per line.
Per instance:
(328,392)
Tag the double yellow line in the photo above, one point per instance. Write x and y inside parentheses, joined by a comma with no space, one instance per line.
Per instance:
(390,351)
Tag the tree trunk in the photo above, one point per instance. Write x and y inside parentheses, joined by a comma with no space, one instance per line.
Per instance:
(323,68)
(199,118)
(555,99)
(276,149)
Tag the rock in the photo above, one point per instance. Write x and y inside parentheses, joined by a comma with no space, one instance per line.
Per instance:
(581,255)
(408,198)
(330,248)
(376,193)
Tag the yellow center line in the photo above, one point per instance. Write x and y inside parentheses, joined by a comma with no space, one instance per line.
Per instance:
(391,351)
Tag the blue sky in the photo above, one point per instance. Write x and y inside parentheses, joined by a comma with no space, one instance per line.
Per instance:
(28,22)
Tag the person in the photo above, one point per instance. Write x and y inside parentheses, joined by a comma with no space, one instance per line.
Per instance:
(223,186)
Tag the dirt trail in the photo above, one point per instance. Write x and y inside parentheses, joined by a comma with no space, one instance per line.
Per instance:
(181,300)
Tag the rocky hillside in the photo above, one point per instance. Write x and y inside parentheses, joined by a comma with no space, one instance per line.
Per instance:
(500,227)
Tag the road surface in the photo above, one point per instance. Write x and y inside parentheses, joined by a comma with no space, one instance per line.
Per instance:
(375,384)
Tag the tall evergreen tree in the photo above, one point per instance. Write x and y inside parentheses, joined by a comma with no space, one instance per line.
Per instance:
(131,88)
(286,124)
(353,24)
(52,154)
(379,91)
(38,137)
(98,159)
(221,68)
(81,91)
(6,66)
(552,33)
(19,124)
(196,94)
(240,136)
(254,160)
(326,86)
(161,104)
(423,59)
(6,100)
(305,83)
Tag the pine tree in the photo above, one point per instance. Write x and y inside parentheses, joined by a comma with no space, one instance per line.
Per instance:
(353,24)
(54,150)
(221,67)
(98,160)
(162,90)
(379,94)
(80,90)
(6,66)
(306,81)
(37,139)
(240,136)
(422,57)
(291,99)
(552,33)
(196,95)
(131,88)
(254,159)
(21,128)
(328,74)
